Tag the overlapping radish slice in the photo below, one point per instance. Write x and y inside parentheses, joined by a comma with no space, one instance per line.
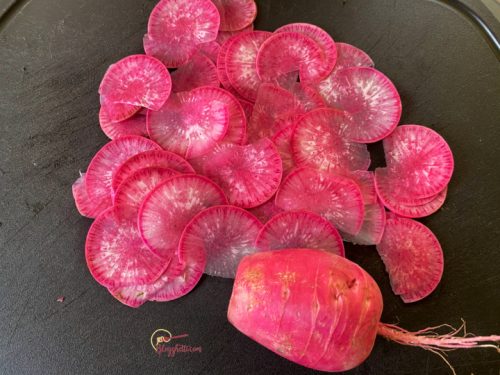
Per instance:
(86,207)
(306,98)
(319,141)
(266,210)
(224,36)
(168,208)
(106,162)
(247,108)
(221,66)
(117,112)
(116,255)
(336,198)
(282,140)
(249,175)
(225,233)
(138,80)
(302,228)
(413,258)
(235,14)
(189,124)
(199,71)
(373,226)
(177,27)
(366,182)
(135,125)
(349,56)
(211,50)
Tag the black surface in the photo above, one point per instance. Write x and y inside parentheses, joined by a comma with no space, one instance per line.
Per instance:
(52,56)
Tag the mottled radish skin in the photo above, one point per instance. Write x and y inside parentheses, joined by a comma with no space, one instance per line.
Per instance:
(310,306)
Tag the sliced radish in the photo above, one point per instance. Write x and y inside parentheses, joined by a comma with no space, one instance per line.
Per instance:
(282,140)
(266,210)
(117,112)
(318,141)
(247,108)
(116,255)
(349,56)
(223,36)
(86,207)
(306,98)
(139,80)
(235,14)
(168,208)
(336,198)
(299,229)
(211,50)
(135,125)
(221,67)
(373,226)
(249,175)
(366,182)
(225,233)
(131,296)
(199,71)
(413,258)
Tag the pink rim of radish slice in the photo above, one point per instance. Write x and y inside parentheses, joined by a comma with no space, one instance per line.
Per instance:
(210,50)
(225,233)
(318,141)
(189,124)
(106,162)
(221,67)
(299,229)
(349,56)
(366,182)
(168,208)
(249,175)
(247,108)
(133,190)
(321,37)
(117,112)
(283,140)
(199,71)
(135,125)
(413,258)
(139,80)
(336,198)
(240,58)
(373,226)
(224,36)
(266,210)
(236,14)
(85,206)
(116,255)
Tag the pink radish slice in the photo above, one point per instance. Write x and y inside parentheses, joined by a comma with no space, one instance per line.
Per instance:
(137,80)
(413,258)
(135,125)
(189,124)
(131,296)
(85,206)
(336,198)
(306,98)
(221,67)
(133,190)
(302,228)
(249,175)
(266,210)
(235,14)
(318,141)
(223,36)
(168,208)
(240,58)
(199,71)
(282,140)
(373,226)
(107,161)
(349,56)
(116,255)
(247,108)
(211,50)
(117,112)
(171,58)
(366,182)
(225,233)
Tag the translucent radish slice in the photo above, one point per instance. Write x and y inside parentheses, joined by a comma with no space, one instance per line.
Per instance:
(321,37)
(176,27)
(336,198)
(168,208)
(241,55)
(85,206)
(284,53)
(349,56)
(131,296)
(413,258)
(224,36)
(236,14)
(107,161)
(133,190)
(135,125)
(306,98)
(189,124)
(226,234)
(373,226)
(319,141)
(139,80)
(247,108)
(116,255)
(117,112)
(199,71)
(211,50)
(366,182)
(282,140)
(305,229)
(249,175)
(221,67)
(266,210)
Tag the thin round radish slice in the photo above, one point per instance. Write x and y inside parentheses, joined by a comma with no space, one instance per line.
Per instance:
(236,14)
(211,50)
(321,37)
(249,175)
(240,57)
(116,255)
(373,226)
(168,208)
(413,258)
(301,228)
(107,161)
(221,66)
(284,53)
(85,206)
(137,80)
(133,190)
(366,182)
(117,112)
(282,140)
(318,141)
(224,36)
(349,56)
(152,158)
(199,71)
(336,198)
(131,296)
(161,49)
(306,98)
(135,125)
(266,210)
(225,233)
(189,124)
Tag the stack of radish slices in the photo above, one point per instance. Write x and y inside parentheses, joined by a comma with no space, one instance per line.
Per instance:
(227,141)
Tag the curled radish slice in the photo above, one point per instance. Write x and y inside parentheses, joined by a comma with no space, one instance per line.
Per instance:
(199,71)
(116,112)
(86,207)
(236,14)
(373,226)
(135,125)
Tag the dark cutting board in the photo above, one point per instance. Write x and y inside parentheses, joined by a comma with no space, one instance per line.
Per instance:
(53,54)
